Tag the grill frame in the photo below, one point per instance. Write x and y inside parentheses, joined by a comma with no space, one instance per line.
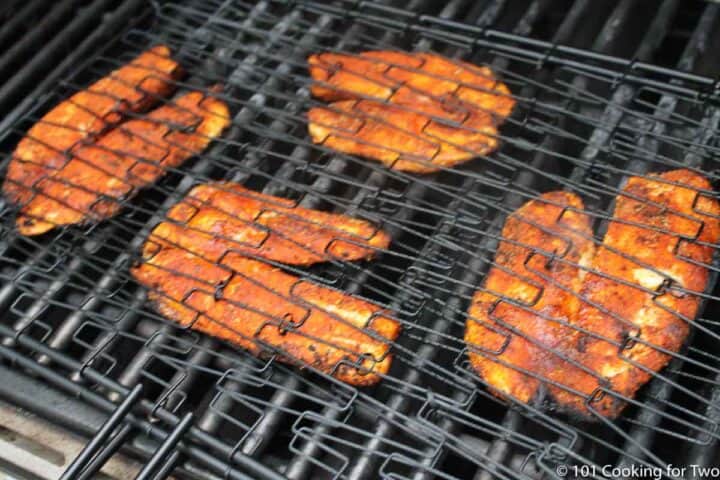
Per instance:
(362,465)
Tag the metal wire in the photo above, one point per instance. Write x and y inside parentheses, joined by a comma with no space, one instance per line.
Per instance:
(72,291)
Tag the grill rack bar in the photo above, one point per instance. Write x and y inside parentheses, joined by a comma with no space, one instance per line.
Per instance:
(70,325)
(301,464)
(35,69)
(280,401)
(162,462)
(132,374)
(475,36)
(362,464)
(500,449)
(83,465)
(98,401)
(660,392)
(300,467)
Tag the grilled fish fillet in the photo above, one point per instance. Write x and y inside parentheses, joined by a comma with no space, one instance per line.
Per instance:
(400,77)
(660,236)
(216,218)
(414,112)
(503,338)
(132,88)
(100,175)
(399,137)
(662,231)
(195,267)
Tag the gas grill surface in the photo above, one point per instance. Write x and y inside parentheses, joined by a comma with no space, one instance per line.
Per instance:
(604,90)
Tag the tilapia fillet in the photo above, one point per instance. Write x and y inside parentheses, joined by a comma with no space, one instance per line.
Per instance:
(131,88)
(92,184)
(643,282)
(660,243)
(514,347)
(214,218)
(414,112)
(196,268)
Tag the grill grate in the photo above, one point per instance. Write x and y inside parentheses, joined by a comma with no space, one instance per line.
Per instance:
(584,122)
(41,40)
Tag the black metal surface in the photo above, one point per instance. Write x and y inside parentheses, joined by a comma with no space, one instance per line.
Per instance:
(150,413)
(585,121)
(164,458)
(48,402)
(41,39)
(83,466)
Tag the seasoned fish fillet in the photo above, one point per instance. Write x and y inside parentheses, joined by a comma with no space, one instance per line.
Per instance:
(204,281)
(100,175)
(414,112)
(216,218)
(131,88)
(660,233)
(401,138)
(538,341)
(404,78)
(641,282)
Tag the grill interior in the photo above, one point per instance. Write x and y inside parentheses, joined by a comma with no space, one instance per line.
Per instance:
(604,91)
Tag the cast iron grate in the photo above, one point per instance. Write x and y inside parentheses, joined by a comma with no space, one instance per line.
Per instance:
(584,122)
